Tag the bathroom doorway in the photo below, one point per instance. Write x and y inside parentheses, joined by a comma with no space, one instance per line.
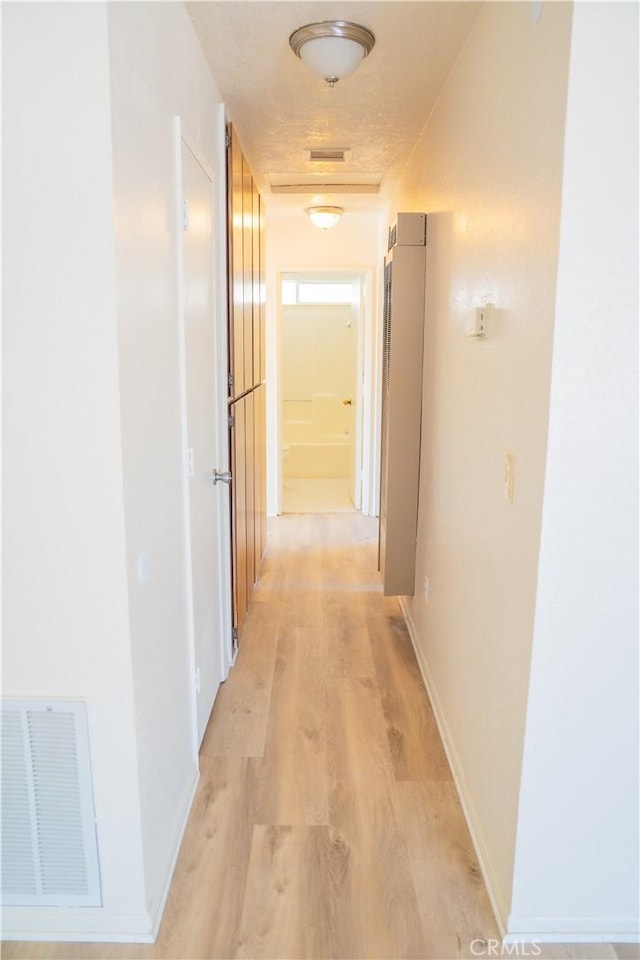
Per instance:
(321,334)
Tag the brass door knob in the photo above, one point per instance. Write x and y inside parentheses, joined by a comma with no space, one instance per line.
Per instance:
(346,403)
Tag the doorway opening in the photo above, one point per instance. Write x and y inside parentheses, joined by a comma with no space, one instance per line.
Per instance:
(321,375)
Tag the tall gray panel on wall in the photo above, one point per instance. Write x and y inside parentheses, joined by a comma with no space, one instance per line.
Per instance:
(404,289)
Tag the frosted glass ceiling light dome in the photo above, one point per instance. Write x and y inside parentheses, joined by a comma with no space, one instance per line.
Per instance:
(324,217)
(332,49)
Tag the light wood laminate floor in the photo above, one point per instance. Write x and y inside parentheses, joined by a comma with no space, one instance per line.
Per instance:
(326,823)
(311,495)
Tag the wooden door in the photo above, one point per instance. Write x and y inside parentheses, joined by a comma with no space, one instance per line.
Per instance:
(235,207)
(238,444)
(246,361)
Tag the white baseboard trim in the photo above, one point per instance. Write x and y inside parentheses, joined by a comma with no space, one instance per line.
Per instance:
(498,905)
(75,925)
(158,901)
(573,930)
(95,925)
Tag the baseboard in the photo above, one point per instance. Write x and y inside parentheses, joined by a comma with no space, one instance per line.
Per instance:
(95,925)
(498,905)
(75,925)
(573,930)
(158,901)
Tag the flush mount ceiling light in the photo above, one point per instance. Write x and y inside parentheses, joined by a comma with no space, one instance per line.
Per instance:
(332,49)
(324,217)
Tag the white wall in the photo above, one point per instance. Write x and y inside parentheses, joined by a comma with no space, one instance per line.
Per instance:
(66,629)
(158,71)
(294,244)
(577,863)
(93,446)
(487,171)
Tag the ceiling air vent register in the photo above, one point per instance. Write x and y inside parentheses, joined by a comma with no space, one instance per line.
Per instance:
(328,154)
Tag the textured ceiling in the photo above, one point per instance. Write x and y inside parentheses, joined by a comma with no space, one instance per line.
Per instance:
(280,109)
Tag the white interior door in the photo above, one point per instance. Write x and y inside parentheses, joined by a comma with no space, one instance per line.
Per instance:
(200,370)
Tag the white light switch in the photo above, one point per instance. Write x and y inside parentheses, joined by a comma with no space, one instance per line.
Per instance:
(477,321)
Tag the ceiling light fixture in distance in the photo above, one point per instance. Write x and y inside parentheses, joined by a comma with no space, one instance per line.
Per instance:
(324,217)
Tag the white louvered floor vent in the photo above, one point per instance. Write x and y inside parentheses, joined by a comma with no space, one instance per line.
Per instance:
(49,848)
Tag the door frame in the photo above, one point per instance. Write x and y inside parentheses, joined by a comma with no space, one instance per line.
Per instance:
(367,451)
(219,279)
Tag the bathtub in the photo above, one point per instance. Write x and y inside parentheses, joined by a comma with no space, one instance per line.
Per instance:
(316,439)
(324,459)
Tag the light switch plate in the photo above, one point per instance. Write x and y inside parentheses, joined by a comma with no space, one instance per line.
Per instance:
(508,476)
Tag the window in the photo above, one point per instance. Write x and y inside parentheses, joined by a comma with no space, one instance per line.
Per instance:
(304,292)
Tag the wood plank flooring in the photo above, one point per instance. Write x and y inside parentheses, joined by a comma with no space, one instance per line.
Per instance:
(326,823)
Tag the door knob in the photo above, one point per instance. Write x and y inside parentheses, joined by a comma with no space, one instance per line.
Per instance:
(346,403)
(220,476)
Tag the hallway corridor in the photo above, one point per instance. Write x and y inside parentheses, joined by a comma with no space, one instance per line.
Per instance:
(339,807)
(326,823)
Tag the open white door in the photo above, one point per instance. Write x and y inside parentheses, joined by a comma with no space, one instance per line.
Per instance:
(207,582)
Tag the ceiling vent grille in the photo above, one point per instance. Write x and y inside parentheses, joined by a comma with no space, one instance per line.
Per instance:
(328,155)
(49,846)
